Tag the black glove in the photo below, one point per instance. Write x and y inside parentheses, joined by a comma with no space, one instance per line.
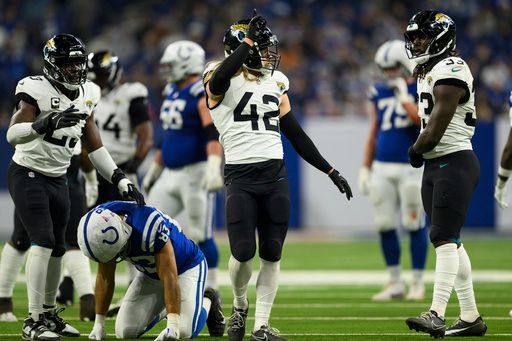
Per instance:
(133,193)
(256,27)
(415,159)
(126,188)
(57,120)
(341,183)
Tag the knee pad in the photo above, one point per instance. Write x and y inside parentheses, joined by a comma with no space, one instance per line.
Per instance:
(270,250)
(20,244)
(243,251)
(235,208)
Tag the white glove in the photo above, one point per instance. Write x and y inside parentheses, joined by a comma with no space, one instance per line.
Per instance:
(91,187)
(364,180)
(500,193)
(212,179)
(172,332)
(153,173)
(399,86)
(98,331)
(168,334)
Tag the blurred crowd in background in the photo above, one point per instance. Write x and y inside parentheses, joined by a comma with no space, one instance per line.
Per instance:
(327,47)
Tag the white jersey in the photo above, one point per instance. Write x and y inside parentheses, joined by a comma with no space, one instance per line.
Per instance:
(50,154)
(113,120)
(449,71)
(247,118)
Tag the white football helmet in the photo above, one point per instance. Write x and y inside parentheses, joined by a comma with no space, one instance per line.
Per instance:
(103,235)
(392,54)
(180,59)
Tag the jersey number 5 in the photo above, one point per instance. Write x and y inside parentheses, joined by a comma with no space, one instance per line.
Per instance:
(253,116)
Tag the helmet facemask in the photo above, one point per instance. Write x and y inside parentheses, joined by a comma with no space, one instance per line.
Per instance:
(71,71)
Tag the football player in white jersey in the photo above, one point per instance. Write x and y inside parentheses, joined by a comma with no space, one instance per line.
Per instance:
(53,112)
(448,117)
(249,104)
(386,176)
(186,170)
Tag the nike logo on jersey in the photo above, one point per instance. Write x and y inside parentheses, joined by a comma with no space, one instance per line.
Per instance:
(457,68)
(443,165)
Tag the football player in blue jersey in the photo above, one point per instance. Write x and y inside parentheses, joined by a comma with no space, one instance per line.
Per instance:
(392,185)
(171,278)
(186,168)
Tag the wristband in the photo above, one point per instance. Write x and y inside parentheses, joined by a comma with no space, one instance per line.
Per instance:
(100,320)
(173,321)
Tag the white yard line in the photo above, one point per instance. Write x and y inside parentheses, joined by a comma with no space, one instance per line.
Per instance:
(298,278)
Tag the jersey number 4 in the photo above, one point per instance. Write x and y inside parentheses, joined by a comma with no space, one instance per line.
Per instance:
(253,116)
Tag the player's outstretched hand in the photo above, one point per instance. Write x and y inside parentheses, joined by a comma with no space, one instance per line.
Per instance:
(98,332)
(58,119)
(415,159)
(212,180)
(341,183)
(256,27)
(168,334)
(500,194)
(400,89)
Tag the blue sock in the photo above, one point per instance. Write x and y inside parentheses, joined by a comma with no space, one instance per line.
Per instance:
(419,248)
(210,251)
(390,247)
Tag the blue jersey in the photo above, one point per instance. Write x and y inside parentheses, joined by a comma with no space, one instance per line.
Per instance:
(151,229)
(395,130)
(184,140)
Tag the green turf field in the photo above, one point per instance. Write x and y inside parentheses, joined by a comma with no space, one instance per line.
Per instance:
(343,312)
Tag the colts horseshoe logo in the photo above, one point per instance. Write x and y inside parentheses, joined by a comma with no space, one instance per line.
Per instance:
(110,242)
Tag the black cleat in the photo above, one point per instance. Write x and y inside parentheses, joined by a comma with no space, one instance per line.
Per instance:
(65,295)
(428,322)
(266,333)
(37,330)
(463,328)
(236,324)
(216,322)
(57,325)
(87,308)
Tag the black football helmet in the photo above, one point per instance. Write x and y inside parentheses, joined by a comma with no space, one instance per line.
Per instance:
(104,68)
(263,56)
(65,60)
(439,31)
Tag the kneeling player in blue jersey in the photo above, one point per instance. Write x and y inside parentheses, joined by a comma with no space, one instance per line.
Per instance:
(172,274)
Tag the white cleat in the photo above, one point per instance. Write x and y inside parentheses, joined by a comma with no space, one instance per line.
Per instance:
(416,292)
(392,291)
(8,317)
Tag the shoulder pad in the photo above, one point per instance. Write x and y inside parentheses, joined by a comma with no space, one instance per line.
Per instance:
(282,81)
(208,72)
(94,90)
(35,86)
(135,90)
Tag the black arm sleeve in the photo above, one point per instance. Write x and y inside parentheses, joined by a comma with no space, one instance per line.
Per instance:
(138,111)
(302,143)
(219,83)
(211,133)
